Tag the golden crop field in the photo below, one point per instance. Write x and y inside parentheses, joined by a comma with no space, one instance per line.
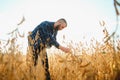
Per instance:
(99,61)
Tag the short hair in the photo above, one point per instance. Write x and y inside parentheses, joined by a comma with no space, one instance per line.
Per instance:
(63,20)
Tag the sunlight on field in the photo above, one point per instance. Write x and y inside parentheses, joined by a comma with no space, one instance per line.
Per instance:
(98,61)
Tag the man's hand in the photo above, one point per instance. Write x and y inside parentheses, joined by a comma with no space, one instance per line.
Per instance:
(65,49)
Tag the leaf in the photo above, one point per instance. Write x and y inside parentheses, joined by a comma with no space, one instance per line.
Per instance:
(22,36)
(23,19)
(102,23)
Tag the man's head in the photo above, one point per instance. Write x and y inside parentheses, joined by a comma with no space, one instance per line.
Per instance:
(60,24)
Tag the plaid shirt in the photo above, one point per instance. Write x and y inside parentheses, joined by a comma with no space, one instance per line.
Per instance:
(46,34)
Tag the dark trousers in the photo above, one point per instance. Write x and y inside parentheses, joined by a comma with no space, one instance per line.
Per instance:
(40,50)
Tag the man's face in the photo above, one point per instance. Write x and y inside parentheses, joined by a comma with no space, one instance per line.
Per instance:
(61,25)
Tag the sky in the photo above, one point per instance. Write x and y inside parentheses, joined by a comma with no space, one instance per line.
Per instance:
(83,17)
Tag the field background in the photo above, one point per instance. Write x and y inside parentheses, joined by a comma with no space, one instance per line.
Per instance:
(96,61)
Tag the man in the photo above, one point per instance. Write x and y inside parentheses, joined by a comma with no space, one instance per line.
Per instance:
(44,36)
